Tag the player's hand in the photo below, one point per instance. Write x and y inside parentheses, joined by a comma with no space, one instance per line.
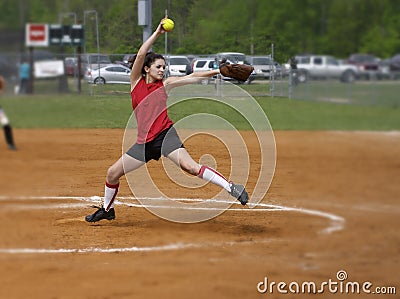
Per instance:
(160,29)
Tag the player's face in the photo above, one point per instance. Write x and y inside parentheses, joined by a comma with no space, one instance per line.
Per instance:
(157,69)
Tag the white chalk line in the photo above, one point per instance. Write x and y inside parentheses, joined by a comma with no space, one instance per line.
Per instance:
(168,247)
(260,207)
(336,222)
(99,250)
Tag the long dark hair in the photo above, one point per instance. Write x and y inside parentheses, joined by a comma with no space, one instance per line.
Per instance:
(148,60)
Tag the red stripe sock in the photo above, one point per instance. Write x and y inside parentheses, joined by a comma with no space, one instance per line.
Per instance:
(110,192)
(213,176)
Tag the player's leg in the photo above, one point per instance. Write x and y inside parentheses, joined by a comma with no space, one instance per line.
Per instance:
(124,165)
(9,137)
(7,129)
(182,158)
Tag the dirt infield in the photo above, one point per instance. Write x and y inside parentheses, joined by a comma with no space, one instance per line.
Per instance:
(333,206)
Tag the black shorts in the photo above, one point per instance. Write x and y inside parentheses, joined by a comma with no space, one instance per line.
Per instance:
(164,144)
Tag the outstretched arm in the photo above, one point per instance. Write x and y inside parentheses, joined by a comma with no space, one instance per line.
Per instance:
(195,77)
(136,72)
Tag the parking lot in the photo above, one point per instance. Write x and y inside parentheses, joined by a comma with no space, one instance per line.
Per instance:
(267,80)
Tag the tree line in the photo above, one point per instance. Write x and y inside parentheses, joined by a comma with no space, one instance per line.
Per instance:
(335,27)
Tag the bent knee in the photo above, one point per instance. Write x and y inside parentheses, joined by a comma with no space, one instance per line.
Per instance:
(113,174)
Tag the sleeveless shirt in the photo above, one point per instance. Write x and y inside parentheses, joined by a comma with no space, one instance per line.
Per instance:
(149,102)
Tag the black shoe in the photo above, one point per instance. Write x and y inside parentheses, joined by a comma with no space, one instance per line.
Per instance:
(12,147)
(239,193)
(101,214)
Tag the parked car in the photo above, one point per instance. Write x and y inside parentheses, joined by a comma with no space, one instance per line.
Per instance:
(112,73)
(9,67)
(264,67)
(394,66)
(125,60)
(71,66)
(200,64)
(367,65)
(232,57)
(384,69)
(323,67)
(126,57)
(177,66)
(94,60)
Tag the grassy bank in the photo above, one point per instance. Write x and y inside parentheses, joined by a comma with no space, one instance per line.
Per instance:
(84,111)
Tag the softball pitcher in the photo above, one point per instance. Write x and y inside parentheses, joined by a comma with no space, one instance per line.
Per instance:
(156,133)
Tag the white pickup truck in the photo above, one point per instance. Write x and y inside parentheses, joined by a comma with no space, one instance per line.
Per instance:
(323,67)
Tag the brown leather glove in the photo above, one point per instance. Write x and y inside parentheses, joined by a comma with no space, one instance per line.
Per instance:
(240,72)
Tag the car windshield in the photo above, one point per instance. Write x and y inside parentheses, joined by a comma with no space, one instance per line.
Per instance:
(201,63)
(363,58)
(127,57)
(261,60)
(331,61)
(178,61)
(304,60)
(96,59)
(236,57)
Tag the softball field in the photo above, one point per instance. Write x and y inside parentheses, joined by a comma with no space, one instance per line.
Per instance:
(328,224)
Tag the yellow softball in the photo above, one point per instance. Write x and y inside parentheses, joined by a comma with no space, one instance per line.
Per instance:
(168,25)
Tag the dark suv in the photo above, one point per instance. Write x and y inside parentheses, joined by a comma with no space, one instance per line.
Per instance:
(367,65)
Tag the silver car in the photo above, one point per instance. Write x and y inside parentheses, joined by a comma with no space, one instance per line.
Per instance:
(264,67)
(112,73)
(204,64)
(177,66)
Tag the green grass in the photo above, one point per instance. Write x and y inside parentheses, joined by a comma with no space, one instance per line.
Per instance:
(67,111)
(371,93)
(108,111)
(285,114)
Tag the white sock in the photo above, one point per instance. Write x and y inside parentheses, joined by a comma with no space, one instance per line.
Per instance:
(213,176)
(3,118)
(110,192)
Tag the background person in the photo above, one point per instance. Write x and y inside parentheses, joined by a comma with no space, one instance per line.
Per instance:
(24,77)
(293,75)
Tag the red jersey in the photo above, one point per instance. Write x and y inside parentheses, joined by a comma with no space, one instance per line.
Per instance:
(149,102)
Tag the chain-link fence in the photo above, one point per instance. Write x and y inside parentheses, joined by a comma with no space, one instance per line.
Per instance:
(373,92)
(85,80)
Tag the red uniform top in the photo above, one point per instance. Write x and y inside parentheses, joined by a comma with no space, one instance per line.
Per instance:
(149,101)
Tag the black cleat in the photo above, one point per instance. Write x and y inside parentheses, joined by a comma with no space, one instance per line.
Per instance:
(101,214)
(239,193)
